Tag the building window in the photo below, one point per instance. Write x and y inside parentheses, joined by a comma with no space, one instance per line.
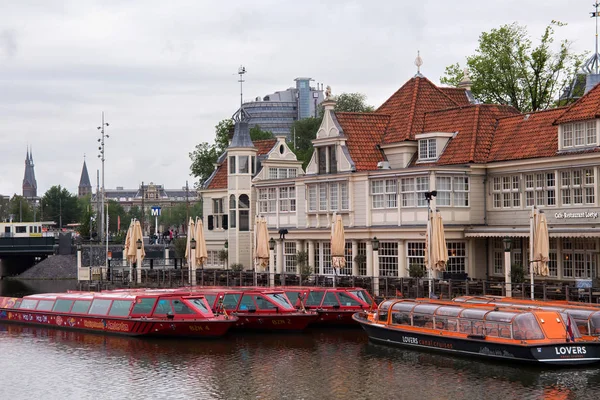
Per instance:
(413,191)
(232,164)
(578,258)
(332,159)
(461,191)
(347,270)
(232,207)
(457,257)
(427,149)
(322,197)
(552,262)
(218,213)
(362,251)
(262,201)
(244,167)
(312,198)
(282,173)
(415,252)
(540,189)
(579,134)
(244,212)
(577,187)
(321,153)
(289,252)
(287,199)
(331,196)
(383,193)
(506,191)
(498,247)
(388,259)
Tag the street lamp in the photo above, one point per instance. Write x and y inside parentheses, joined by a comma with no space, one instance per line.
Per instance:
(192,262)
(507,270)
(428,197)
(101,157)
(375,266)
(375,243)
(226,245)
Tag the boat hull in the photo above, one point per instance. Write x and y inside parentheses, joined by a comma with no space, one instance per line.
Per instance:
(335,318)
(121,326)
(274,322)
(560,354)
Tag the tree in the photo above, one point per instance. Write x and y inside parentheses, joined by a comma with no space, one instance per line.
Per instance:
(87,217)
(352,102)
(258,134)
(507,69)
(116,212)
(60,206)
(20,209)
(304,131)
(205,154)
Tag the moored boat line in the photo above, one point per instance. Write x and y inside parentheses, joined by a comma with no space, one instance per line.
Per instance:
(504,333)
(130,314)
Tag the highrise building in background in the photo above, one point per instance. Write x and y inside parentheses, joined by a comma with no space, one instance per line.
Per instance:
(277,112)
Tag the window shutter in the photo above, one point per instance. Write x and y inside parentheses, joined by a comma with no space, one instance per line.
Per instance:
(224,221)
(211,225)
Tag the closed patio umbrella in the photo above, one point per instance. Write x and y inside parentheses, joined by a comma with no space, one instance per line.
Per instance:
(201,252)
(338,244)
(541,249)
(261,249)
(435,243)
(191,233)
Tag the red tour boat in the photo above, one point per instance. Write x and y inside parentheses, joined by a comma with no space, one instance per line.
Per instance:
(124,313)
(335,306)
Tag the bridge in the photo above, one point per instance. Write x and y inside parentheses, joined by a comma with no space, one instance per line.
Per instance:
(17,254)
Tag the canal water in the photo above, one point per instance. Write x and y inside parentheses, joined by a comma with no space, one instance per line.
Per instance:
(50,364)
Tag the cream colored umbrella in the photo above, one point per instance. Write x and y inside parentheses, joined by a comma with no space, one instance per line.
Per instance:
(127,245)
(541,246)
(261,247)
(201,252)
(130,242)
(439,250)
(338,244)
(191,233)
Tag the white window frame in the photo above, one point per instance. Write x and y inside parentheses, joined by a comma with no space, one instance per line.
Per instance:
(579,134)
(384,193)
(427,149)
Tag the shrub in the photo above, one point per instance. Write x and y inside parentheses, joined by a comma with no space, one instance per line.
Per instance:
(237,267)
(416,271)
(517,273)
(179,245)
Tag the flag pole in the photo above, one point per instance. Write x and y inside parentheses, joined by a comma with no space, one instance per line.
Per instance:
(531,251)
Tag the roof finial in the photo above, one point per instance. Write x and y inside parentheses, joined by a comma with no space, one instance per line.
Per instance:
(328,93)
(418,62)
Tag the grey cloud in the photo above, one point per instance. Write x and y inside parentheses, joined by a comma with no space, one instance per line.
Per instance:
(8,43)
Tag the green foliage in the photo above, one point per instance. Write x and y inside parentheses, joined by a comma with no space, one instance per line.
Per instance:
(119,237)
(134,212)
(303,266)
(206,154)
(507,69)
(416,271)
(517,273)
(4,202)
(179,245)
(237,267)
(20,209)
(258,134)
(352,102)
(223,255)
(58,204)
(304,131)
(360,259)
(116,211)
(86,218)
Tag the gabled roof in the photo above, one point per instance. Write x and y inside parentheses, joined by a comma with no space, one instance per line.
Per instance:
(526,136)
(408,105)
(587,107)
(473,127)
(364,131)
(459,95)
(218,180)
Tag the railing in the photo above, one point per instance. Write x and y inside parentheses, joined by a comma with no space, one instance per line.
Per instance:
(169,273)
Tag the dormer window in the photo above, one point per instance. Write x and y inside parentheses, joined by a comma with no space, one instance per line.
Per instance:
(427,149)
(578,135)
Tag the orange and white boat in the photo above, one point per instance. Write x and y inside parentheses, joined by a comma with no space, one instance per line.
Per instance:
(501,333)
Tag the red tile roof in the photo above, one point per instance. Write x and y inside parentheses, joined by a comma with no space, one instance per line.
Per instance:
(457,94)
(587,107)
(219,180)
(408,105)
(473,127)
(364,132)
(526,136)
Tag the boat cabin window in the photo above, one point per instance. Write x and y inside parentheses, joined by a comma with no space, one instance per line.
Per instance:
(576,332)
(595,323)
(348,300)
(293,296)
(99,307)
(63,305)
(181,308)
(526,327)
(28,304)
(465,325)
(163,307)
(330,299)
(499,316)
(120,308)
(281,300)
(403,306)
(425,308)
(474,313)
(262,303)
(382,311)
(448,311)
(314,298)
(231,300)
(45,305)
(247,303)
(143,306)
(211,299)
(200,305)
(445,323)
(491,329)
(81,306)
(363,295)
(423,320)
(401,318)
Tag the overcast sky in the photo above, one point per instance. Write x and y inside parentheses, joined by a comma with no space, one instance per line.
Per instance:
(165,73)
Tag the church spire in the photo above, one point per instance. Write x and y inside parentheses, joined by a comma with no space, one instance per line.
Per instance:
(85,186)
(29,182)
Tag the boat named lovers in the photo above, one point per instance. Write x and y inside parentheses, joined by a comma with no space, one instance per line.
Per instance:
(501,333)
(131,314)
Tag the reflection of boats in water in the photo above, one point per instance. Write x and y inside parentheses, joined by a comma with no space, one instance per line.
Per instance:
(537,336)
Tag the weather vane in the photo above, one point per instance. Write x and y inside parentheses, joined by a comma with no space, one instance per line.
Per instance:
(418,62)
(594,14)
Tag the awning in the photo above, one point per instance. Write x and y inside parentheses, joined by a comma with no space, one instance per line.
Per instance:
(556,232)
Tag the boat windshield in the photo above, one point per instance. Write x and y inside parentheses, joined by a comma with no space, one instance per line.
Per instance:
(526,327)
(120,308)
(576,332)
(231,300)
(199,304)
(62,305)
(595,323)
(363,295)
(99,307)
(293,296)
(314,298)
(28,304)
(348,300)
(281,300)
(143,306)
(210,298)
